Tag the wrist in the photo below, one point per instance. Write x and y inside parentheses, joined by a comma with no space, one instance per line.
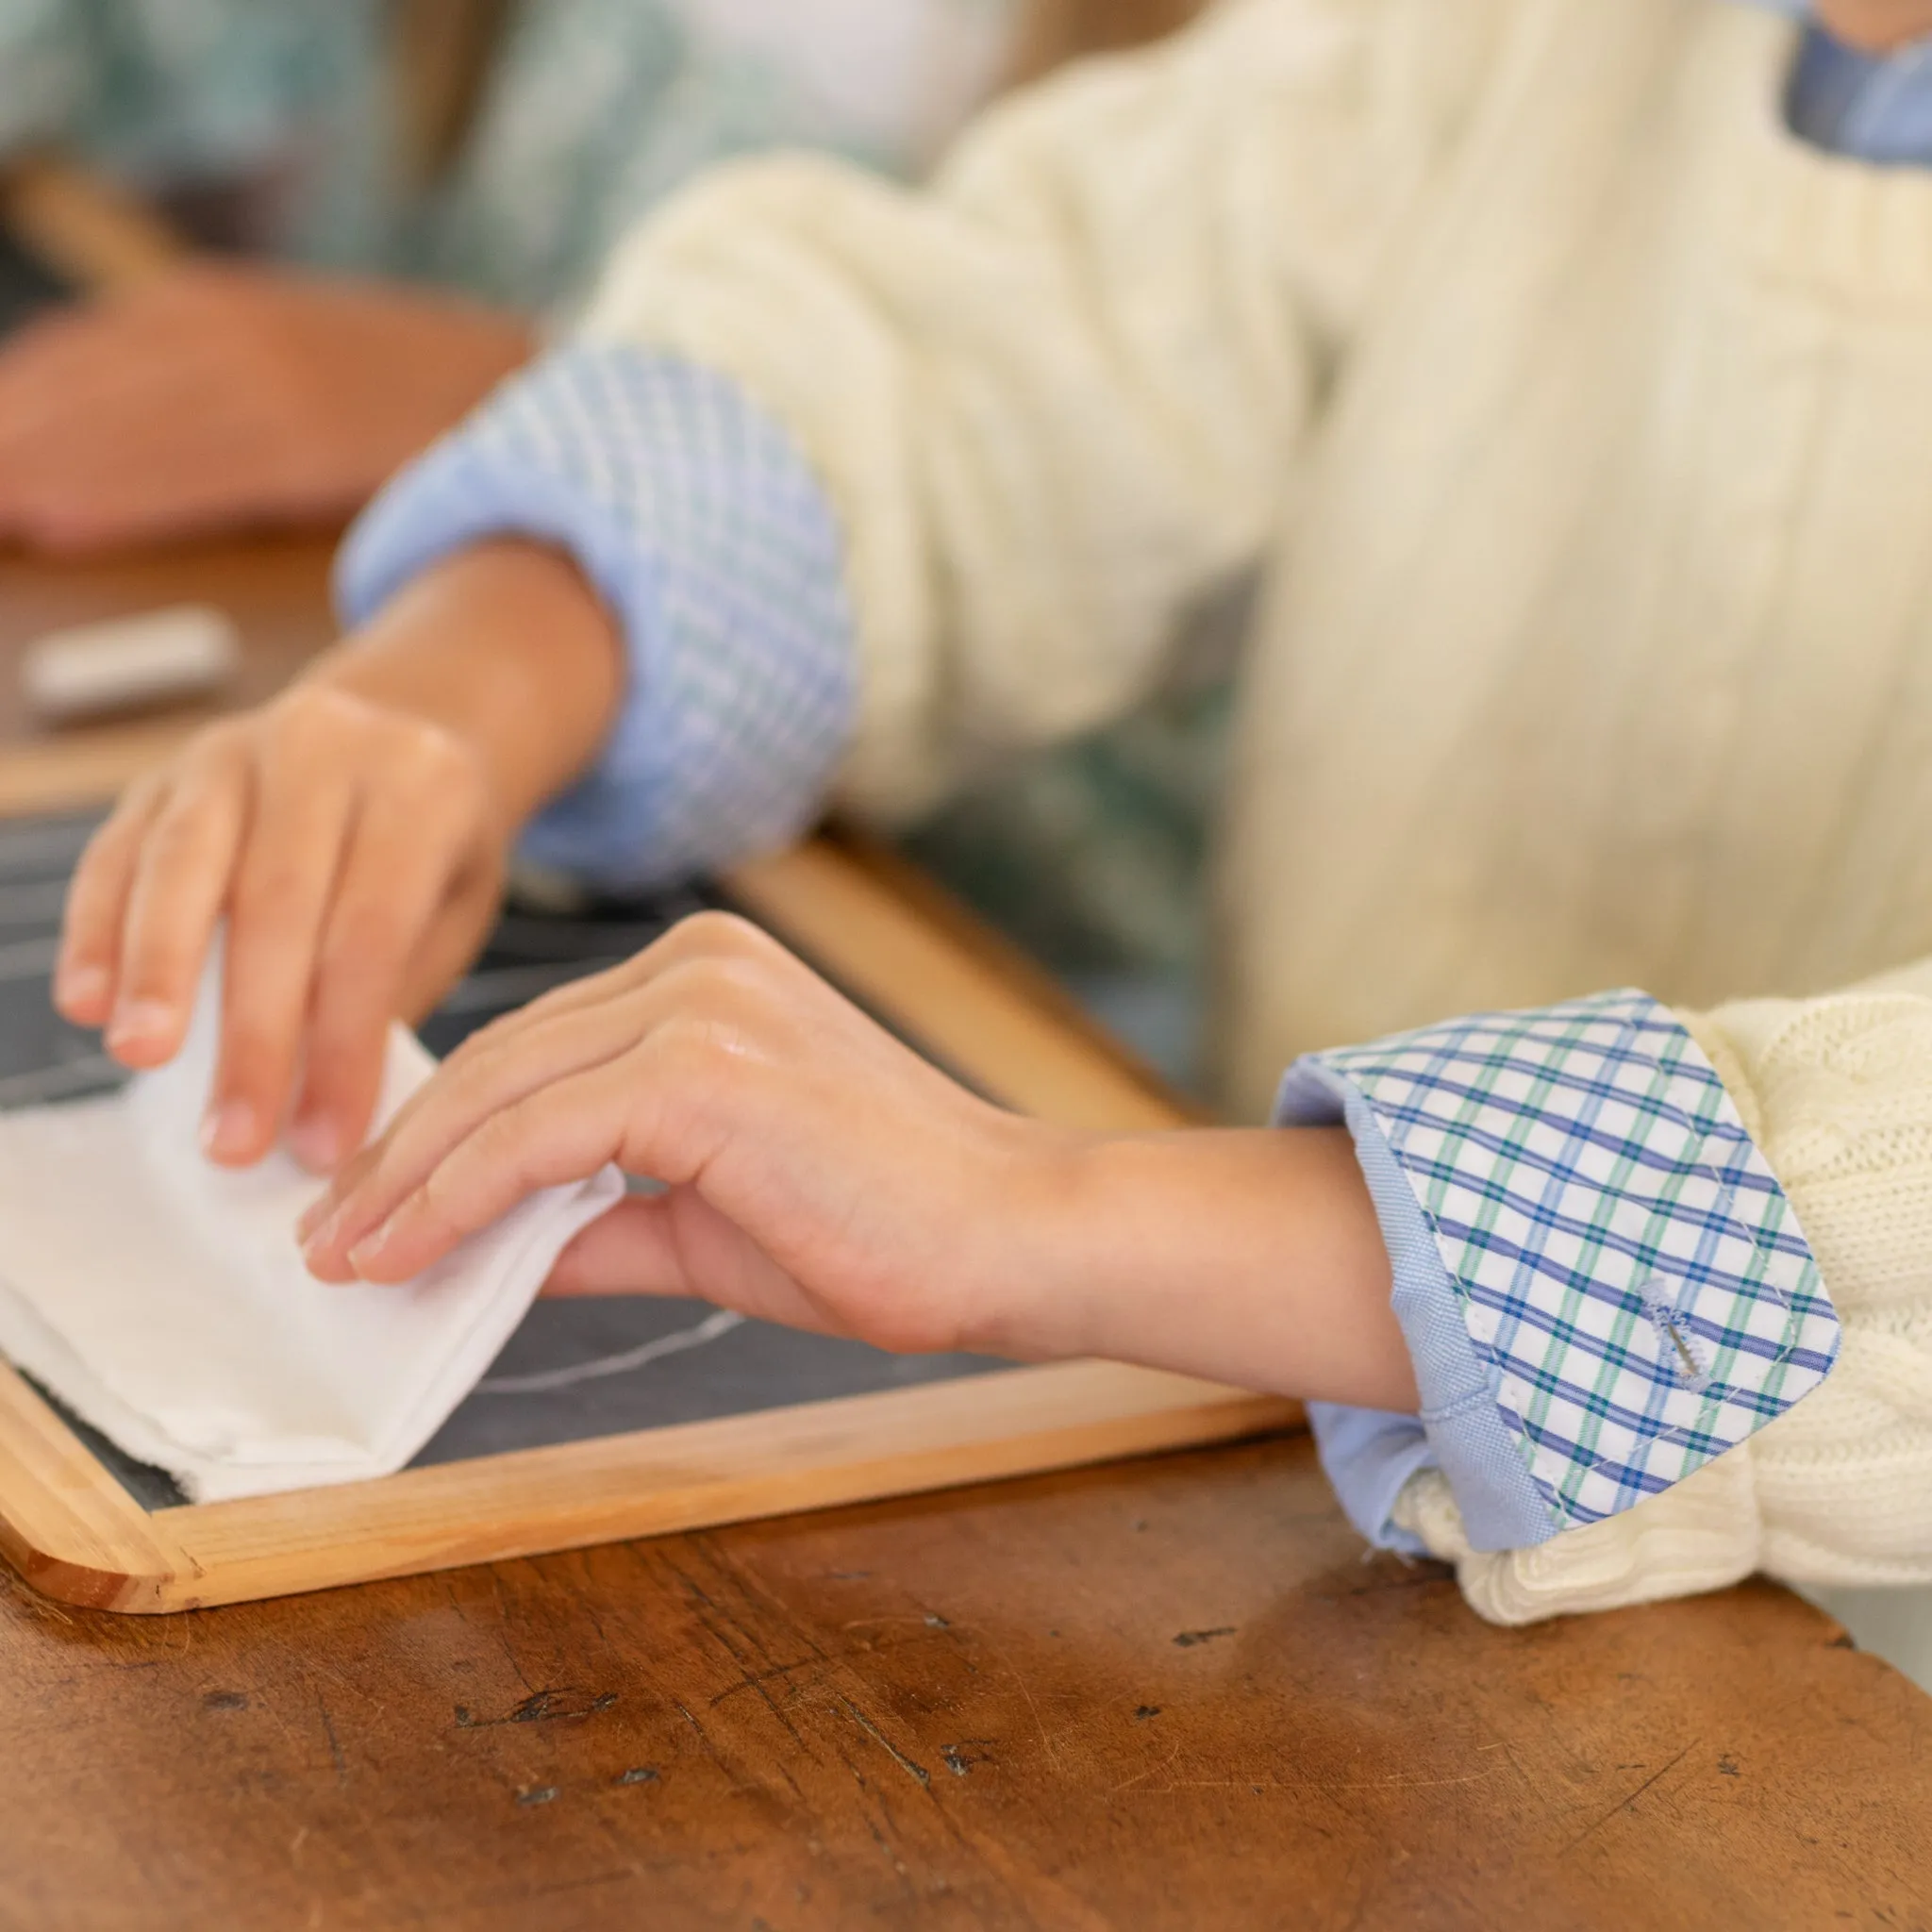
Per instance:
(1251,1257)
(506,646)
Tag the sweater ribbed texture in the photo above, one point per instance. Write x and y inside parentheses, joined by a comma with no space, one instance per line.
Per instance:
(1578,415)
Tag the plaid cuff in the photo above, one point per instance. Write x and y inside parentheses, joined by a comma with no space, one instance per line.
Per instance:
(1602,1282)
(704,530)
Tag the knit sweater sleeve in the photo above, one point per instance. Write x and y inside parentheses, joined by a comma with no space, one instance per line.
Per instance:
(1061,394)
(1837,1093)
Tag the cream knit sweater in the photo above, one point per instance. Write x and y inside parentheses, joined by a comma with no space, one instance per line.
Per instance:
(1581,419)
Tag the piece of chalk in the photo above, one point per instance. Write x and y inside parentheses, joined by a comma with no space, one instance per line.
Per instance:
(128,662)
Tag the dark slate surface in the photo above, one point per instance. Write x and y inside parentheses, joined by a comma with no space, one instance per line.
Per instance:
(751,1366)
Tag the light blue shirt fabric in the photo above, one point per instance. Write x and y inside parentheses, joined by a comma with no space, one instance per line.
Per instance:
(707,535)
(1872,107)
(709,538)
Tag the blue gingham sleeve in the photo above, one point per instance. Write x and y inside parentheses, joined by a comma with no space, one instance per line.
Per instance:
(709,537)
(1601,1281)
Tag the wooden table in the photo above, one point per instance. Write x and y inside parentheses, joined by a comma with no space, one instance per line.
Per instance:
(1164,1693)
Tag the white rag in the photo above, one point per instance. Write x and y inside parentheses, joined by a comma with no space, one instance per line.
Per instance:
(164,1300)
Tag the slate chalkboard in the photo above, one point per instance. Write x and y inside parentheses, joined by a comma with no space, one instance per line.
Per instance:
(575,1369)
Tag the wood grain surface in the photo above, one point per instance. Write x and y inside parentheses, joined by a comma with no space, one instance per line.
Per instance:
(1167,1694)
(274,587)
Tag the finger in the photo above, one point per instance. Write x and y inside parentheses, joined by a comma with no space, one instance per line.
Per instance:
(93,391)
(631,1250)
(562,1134)
(181,882)
(677,1243)
(698,1006)
(59,388)
(88,970)
(402,855)
(276,918)
(709,1000)
(43,365)
(64,363)
(130,427)
(703,936)
(169,479)
(544,1046)
(447,949)
(453,1106)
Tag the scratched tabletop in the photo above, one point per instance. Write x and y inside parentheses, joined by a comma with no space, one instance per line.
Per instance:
(1164,1694)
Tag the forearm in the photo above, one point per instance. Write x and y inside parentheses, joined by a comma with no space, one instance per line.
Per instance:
(505,646)
(1249,1257)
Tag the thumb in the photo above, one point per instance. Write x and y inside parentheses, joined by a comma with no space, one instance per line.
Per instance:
(628,1251)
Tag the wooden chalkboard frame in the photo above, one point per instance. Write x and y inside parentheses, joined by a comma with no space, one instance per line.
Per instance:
(75,1533)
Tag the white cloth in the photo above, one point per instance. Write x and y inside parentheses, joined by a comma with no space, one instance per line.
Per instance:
(164,1300)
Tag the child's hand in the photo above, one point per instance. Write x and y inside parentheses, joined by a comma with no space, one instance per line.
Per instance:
(355,851)
(817,1173)
(353,834)
(821,1175)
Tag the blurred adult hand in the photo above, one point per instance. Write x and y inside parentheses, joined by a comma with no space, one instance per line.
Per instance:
(222,396)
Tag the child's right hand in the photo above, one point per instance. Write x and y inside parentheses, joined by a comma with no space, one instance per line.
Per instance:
(817,1172)
(353,835)
(356,851)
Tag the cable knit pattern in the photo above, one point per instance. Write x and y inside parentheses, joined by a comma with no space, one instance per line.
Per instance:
(1845,1090)
(1577,413)
(1585,405)
(1838,1094)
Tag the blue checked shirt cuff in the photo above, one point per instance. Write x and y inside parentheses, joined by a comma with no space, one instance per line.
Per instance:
(707,536)
(1601,1282)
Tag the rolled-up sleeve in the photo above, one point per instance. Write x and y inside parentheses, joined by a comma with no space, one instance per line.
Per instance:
(707,534)
(1600,1280)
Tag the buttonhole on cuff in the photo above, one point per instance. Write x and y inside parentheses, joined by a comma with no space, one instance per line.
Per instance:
(1683,1352)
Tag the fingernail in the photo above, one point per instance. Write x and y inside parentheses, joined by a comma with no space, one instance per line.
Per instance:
(313,1141)
(369,1249)
(141,1020)
(316,1246)
(79,986)
(317,1219)
(229,1130)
